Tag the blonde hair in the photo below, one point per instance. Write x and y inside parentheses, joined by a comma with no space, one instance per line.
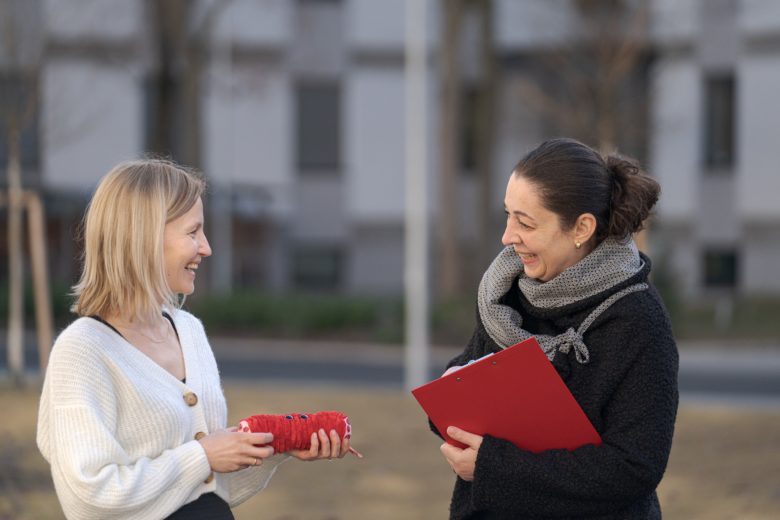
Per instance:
(124,226)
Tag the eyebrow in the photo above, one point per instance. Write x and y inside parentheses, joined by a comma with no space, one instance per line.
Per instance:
(520,213)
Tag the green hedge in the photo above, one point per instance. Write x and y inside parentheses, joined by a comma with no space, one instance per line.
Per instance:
(756,318)
(298,315)
(342,317)
(327,316)
(60,302)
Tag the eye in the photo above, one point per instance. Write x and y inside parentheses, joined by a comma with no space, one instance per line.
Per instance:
(524,225)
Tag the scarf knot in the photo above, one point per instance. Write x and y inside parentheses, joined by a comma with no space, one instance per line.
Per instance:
(571,340)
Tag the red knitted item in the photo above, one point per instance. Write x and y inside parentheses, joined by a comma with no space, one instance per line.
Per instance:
(293,431)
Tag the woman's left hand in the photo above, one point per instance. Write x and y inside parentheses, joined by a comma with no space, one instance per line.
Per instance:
(463,461)
(323,447)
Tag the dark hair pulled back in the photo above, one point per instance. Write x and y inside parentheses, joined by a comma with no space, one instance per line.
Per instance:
(574,179)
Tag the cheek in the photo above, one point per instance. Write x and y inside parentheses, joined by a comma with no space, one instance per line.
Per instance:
(563,257)
(535,243)
(547,250)
(172,264)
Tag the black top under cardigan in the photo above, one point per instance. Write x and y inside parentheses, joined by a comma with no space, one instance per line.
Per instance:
(628,390)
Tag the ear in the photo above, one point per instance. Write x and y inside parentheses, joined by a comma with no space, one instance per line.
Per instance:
(584,228)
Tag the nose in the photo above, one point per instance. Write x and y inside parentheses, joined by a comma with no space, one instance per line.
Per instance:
(204,249)
(509,237)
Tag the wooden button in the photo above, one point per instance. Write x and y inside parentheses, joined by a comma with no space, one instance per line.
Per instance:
(208,480)
(199,436)
(190,398)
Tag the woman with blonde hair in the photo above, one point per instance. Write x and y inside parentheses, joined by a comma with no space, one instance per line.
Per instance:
(132,417)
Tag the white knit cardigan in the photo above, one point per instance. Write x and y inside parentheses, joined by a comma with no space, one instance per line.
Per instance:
(118,433)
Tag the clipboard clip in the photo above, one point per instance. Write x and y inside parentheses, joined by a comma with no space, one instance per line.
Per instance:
(480,359)
(475,361)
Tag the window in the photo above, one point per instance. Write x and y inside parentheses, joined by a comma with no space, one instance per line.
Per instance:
(319,126)
(19,108)
(720,268)
(719,125)
(317,267)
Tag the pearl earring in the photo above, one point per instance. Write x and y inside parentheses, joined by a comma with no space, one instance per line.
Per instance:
(578,244)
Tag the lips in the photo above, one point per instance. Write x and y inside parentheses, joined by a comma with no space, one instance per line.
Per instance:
(526,257)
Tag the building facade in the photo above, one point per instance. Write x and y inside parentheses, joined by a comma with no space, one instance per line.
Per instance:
(301,115)
(714,128)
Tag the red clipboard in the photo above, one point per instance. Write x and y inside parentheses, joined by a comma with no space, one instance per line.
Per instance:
(515,394)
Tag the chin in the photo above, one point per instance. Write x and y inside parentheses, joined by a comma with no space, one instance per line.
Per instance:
(542,277)
(186,291)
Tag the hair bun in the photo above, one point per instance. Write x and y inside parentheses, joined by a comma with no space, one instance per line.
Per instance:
(622,167)
(634,193)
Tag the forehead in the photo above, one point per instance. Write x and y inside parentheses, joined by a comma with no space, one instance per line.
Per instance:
(520,191)
(195,213)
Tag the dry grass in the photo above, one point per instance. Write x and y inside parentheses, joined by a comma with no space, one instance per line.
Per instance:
(401,476)
(725,463)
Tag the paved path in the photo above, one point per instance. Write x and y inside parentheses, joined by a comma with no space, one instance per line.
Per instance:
(709,373)
(741,376)
(745,375)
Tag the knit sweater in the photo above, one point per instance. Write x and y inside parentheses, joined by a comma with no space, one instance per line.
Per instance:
(628,390)
(118,430)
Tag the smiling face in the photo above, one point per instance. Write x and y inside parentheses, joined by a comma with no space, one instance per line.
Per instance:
(184,246)
(536,235)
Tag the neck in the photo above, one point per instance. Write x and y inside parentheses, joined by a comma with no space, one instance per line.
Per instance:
(137,321)
(142,330)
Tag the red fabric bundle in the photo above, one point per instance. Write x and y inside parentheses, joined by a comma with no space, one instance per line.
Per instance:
(293,431)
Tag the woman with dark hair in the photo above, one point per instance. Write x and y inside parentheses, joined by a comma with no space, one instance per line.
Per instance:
(572,276)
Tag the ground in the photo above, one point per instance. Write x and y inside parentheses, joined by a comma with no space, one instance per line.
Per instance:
(725,462)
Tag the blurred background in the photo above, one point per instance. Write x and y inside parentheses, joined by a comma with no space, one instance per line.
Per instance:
(298,114)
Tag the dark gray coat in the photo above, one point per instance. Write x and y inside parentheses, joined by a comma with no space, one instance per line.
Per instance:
(628,390)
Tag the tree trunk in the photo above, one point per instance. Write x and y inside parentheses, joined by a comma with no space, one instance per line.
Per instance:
(36,222)
(171,19)
(485,136)
(450,132)
(15,260)
(192,76)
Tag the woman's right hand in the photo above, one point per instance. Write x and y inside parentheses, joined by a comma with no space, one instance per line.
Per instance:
(231,450)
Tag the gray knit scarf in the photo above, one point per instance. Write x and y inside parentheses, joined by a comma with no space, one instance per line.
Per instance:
(611,263)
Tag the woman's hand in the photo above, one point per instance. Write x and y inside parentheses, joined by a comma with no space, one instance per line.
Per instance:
(323,447)
(463,461)
(231,450)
